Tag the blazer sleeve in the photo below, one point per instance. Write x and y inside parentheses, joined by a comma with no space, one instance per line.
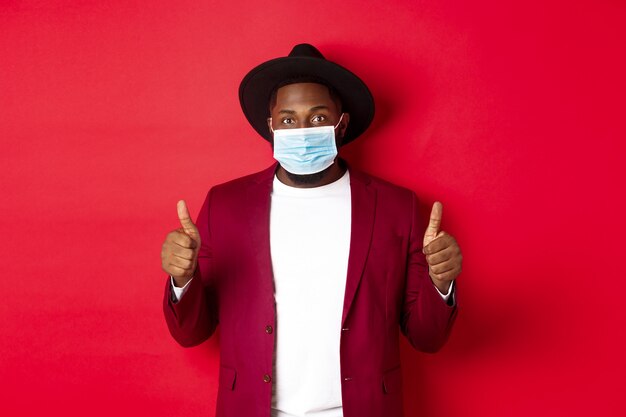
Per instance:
(426,318)
(194,318)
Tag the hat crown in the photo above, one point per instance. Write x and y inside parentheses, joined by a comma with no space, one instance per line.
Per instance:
(306,50)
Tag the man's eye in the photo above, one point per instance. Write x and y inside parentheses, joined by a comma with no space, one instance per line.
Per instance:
(287,121)
(318,118)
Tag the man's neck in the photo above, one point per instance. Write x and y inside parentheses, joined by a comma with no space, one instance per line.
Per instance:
(332,174)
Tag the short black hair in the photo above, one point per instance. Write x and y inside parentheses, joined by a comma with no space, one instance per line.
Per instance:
(334,95)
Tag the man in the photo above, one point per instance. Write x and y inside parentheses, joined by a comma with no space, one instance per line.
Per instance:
(309,267)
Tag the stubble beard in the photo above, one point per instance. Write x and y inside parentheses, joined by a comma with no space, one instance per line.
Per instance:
(307,179)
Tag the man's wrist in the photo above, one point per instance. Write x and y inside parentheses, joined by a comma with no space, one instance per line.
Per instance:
(444,287)
(180,282)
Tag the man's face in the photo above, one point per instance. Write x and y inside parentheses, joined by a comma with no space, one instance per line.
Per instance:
(303,105)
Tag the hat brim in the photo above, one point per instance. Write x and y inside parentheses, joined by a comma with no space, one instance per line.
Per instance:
(257,86)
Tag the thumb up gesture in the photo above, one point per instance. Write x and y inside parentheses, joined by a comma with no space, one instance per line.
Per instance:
(179,253)
(442,252)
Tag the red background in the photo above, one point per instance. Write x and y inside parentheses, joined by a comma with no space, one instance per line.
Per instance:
(511,115)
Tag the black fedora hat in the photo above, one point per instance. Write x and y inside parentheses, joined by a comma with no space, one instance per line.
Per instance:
(305,60)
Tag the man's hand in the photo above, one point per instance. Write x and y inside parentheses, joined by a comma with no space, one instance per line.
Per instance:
(442,252)
(179,254)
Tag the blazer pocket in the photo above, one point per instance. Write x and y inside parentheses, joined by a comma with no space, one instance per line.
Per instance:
(392,380)
(227,378)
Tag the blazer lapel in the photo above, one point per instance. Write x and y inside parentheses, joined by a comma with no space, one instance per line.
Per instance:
(258,199)
(363,211)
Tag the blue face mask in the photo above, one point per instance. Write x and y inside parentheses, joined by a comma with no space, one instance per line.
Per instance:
(306,150)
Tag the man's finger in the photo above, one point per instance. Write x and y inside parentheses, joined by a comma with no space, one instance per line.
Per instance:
(181,252)
(446,276)
(434,224)
(441,256)
(182,263)
(442,242)
(443,267)
(184,240)
(185,220)
(176,271)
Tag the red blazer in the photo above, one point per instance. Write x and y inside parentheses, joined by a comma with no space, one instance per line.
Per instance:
(387,289)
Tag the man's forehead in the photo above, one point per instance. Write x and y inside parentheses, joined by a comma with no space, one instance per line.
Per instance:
(312,96)
(304,88)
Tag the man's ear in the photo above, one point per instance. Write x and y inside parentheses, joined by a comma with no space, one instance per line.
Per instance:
(269,124)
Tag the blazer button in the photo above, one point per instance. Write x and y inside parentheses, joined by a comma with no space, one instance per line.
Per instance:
(267,378)
(345,328)
(268,329)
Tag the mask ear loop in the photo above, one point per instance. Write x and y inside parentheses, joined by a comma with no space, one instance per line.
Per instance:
(339,122)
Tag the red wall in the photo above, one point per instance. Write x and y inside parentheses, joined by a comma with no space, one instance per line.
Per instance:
(511,115)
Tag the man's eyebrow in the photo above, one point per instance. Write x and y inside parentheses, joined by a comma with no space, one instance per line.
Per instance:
(314,108)
(320,107)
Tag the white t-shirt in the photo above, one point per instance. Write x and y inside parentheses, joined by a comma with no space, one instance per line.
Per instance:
(310,244)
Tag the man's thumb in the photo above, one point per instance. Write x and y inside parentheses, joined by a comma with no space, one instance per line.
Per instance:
(185,220)
(434,224)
